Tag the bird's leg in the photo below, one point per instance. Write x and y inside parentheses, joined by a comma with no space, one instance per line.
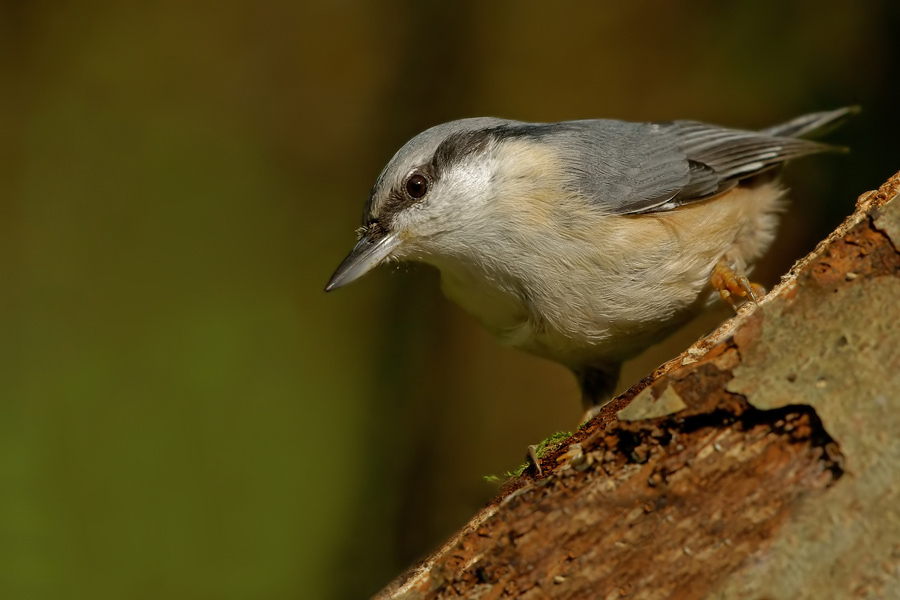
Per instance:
(734,287)
(597,385)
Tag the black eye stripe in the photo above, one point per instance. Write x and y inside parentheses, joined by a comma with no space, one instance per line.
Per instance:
(402,195)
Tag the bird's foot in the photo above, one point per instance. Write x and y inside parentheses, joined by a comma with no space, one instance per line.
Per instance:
(734,288)
(590,413)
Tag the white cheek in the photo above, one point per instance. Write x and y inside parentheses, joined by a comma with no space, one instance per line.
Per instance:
(470,182)
(457,199)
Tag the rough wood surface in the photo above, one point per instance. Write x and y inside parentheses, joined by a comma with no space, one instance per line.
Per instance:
(764,462)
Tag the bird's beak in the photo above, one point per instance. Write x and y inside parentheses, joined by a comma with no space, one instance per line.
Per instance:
(368,253)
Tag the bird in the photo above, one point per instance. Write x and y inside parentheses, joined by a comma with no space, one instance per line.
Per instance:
(584,242)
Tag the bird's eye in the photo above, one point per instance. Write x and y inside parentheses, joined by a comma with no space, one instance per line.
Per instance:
(416,186)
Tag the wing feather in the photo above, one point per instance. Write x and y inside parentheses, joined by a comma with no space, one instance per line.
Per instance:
(631,168)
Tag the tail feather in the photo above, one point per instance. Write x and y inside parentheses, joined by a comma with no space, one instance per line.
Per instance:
(817,123)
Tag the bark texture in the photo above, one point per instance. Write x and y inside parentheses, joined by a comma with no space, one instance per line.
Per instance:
(764,462)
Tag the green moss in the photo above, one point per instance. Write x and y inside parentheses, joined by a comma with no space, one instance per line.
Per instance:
(540,450)
(551,443)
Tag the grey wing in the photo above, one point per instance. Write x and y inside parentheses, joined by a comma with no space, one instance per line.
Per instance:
(622,167)
(720,157)
(631,168)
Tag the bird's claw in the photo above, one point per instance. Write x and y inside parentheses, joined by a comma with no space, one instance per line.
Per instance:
(734,287)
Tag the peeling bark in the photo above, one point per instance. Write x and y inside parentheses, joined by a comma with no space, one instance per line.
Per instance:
(764,462)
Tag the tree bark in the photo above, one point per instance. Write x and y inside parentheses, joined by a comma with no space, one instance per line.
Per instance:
(763,462)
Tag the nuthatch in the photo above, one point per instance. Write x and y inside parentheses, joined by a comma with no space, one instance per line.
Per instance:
(583,241)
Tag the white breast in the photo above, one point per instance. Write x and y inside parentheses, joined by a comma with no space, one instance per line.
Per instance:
(606,289)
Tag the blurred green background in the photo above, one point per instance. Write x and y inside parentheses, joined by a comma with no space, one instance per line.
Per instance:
(183,412)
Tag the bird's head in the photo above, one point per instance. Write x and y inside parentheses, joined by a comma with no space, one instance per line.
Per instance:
(431,194)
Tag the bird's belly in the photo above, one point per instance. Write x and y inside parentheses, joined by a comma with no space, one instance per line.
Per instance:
(609,288)
(607,319)
(605,331)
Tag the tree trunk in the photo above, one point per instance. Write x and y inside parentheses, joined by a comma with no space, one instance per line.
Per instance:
(764,462)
